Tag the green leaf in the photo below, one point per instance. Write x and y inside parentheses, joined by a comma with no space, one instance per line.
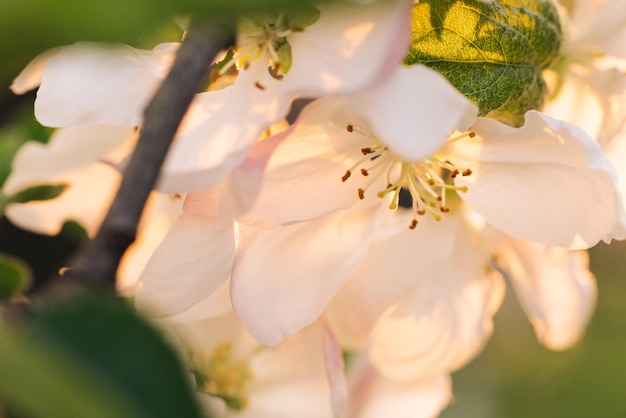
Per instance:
(41,380)
(37,193)
(15,277)
(119,348)
(493,53)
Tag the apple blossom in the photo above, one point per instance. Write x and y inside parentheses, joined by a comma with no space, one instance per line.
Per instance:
(347,47)
(545,182)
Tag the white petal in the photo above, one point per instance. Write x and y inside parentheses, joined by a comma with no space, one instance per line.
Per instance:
(546,182)
(193,260)
(88,84)
(349,46)
(393,266)
(304,175)
(221,128)
(441,325)
(555,288)
(414,111)
(374,396)
(284,278)
(290,381)
(30,77)
(160,213)
(71,156)
(335,371)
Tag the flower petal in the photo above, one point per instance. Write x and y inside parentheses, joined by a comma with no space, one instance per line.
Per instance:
(71,156)
(291,380)
(555,288)
(388,273)
(441,325)
(193,260)
(374,396)
(30,77)
(304,175)
(546,182)
(284,277)
(89,84)
(414,111)
(220,129)
(350,46)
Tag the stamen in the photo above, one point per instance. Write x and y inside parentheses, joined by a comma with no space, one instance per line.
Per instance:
(427,181)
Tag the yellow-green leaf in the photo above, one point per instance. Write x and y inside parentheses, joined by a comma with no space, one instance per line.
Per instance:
(493,53)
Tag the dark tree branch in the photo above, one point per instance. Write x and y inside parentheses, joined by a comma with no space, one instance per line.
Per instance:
(98,261)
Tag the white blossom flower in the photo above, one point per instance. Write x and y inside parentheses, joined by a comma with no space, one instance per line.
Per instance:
(545,182)
(348,47)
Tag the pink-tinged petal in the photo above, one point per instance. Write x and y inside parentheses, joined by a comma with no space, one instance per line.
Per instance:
(86,200)
(335,370)
(414,112)
(70,157)
(441,325)
(290,380)
(89,84)
(193,260)
(160,213)
(546,182)
(221,128)
(284,277)
(30,77)
(350,46)
(374,396)
(596,102)
(240,189)
(304,175)
(215,305)
(394,266)
(598,27)
(555,288)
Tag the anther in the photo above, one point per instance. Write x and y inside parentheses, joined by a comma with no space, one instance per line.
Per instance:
(466,172)
(421,212)
(259,85)
(361,194)
(413,224)
(349,128)
(455,173)
(365,151)
(364,172)
(346,176)
(472,134)
(444,209)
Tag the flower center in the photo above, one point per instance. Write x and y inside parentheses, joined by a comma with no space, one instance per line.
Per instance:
(267,34)
(427,181)
(221,376)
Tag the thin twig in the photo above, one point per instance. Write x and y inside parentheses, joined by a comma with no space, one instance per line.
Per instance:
(98,261)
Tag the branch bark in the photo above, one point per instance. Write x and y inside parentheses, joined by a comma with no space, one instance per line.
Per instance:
(98,260)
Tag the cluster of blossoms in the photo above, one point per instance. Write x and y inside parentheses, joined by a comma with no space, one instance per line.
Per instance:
(378,225)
